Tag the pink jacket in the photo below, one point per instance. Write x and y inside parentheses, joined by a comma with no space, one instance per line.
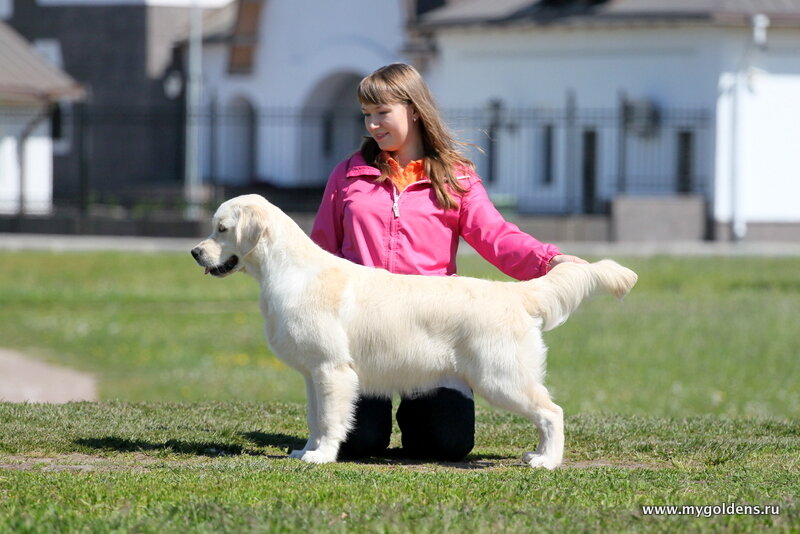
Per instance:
(371,224)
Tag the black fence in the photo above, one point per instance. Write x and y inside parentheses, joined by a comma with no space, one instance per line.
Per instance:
(576,160)
(571,160)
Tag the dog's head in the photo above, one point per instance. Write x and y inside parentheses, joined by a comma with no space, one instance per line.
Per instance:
(237,227)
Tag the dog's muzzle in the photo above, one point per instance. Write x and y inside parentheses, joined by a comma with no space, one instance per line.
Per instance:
(215,270)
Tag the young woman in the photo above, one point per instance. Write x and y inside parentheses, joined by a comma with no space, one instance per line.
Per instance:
(402,203)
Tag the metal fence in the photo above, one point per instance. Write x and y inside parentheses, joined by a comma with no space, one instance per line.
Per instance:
(561,161)
(574,160)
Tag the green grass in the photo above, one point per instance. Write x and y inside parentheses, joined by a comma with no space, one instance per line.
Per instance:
(685,393)
(150,326)
(220,467)
(696,336)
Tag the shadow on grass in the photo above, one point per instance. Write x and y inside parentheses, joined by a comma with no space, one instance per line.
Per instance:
(398,456)
(278,441)
(394,456)
(203,448)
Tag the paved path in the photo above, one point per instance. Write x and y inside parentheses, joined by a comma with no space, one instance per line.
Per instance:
(80,243)
(23,379)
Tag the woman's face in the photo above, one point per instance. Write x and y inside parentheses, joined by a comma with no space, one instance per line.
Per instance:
(393,126)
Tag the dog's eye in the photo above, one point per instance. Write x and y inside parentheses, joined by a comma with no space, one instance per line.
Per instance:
(222,229)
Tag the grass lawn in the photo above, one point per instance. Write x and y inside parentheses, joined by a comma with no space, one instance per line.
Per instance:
(684,394)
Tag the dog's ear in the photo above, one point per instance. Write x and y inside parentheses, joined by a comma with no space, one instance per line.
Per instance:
(251,227)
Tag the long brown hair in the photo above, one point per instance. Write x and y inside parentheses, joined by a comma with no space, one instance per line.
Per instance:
(401,83)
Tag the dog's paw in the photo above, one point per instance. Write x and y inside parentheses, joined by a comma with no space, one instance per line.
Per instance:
(297,454)
(318,457)
(540,460)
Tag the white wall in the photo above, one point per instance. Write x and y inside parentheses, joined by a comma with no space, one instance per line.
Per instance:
(770,149)
(6,9)
(677,67)
(302,44)
(99,3)
(9,172)
(39,172)
(536,67)
(758,152)
(38,161)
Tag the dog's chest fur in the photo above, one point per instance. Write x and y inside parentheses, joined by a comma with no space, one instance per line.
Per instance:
(298,324)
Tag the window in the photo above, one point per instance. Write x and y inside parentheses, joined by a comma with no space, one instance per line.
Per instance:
(50,49)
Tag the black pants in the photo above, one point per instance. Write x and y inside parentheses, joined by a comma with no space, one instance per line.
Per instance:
(439,425)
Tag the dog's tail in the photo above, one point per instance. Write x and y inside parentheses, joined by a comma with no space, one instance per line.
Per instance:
(557,294)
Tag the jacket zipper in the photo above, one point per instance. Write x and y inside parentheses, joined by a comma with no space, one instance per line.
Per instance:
(396,196)
(395,202)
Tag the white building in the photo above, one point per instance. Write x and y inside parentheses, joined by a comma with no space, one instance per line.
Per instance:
(29,86)
(283,85)
(737,59)
(126,139)
(587,102)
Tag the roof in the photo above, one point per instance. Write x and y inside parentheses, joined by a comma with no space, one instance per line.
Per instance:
(26,76)
(235,24)
(218,24)
(507,12)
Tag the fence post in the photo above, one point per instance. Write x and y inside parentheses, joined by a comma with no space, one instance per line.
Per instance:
(495,110)
(570,151)
(251,123)
(213,139)
(84,184)
(622,143)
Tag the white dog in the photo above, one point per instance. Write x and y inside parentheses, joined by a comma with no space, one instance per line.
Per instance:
(349,328)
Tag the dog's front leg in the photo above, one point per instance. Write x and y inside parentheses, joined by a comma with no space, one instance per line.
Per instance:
(336,389)
(311,418)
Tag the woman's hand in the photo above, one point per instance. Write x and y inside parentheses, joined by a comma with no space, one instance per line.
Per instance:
(564,258)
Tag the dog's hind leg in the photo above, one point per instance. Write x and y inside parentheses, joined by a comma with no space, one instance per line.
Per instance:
(528,398)
(549,419)
(311,418)
(336,391)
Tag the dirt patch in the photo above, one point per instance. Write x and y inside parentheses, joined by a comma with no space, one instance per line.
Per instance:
(496,462)
(70,462)
(23,379)
(141,462)
(85,462)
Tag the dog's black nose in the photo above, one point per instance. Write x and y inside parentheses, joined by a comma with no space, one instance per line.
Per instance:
(195,253)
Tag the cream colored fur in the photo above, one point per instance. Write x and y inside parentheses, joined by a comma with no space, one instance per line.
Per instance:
(351,329)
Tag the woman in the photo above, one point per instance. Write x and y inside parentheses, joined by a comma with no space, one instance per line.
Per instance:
(401,203)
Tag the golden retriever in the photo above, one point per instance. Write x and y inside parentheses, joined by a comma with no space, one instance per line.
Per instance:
(349,328)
